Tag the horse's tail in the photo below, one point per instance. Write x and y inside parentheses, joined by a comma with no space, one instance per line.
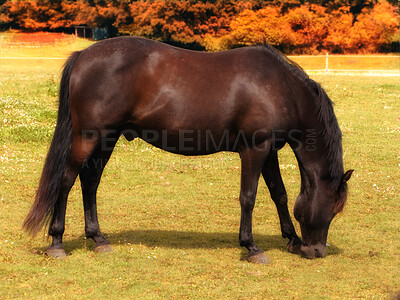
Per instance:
(57,156)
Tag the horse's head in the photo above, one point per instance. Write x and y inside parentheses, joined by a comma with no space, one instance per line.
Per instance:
(314,210)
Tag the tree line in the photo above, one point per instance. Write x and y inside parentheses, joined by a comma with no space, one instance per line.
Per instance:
(294,26)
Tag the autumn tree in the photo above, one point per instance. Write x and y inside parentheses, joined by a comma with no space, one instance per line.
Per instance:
(339,37)
(183,22)
(308,26)
(296,26)
(33,15)
(311,29)
(375,29)
(264,25)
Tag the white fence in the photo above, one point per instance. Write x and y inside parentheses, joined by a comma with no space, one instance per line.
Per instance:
(385,73)
(355,72)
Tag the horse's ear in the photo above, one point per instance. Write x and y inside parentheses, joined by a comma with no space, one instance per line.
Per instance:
(347,176)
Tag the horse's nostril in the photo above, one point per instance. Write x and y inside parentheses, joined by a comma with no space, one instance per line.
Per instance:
(320,252)
(312,251)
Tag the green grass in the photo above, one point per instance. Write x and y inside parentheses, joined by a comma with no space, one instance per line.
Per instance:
(173,221)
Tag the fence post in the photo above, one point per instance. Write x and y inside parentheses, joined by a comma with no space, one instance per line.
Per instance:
(327,63)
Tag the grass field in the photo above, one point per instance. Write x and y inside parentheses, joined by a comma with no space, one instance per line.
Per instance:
(173,221)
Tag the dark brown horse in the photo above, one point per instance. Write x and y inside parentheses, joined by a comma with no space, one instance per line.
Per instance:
(250,100)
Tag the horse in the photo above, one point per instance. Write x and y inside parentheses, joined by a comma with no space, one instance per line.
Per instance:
(250,100)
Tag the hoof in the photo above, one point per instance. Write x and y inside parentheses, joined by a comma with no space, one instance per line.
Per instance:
(105,248)
(294,247)
(259,258)
(56,253)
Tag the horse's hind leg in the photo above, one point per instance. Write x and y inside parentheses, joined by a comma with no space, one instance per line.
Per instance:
(90,176)
(252,162)
(80,149)
(273,179)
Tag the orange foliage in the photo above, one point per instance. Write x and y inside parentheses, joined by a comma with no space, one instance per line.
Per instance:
(264,25)
(339,37)
(180,21)
(27,12)
(374,28)
(310,29)
(218,25)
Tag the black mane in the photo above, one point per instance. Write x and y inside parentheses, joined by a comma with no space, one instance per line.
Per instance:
(332,134)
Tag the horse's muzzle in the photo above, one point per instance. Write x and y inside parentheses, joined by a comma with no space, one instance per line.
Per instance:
(313,251)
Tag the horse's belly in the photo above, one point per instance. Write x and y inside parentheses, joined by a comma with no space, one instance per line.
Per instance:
(190,141)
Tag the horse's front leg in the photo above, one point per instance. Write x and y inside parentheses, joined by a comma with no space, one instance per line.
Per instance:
(252,162)
(273,179)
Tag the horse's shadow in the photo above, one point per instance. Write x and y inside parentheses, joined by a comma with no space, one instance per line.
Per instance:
(184,240)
